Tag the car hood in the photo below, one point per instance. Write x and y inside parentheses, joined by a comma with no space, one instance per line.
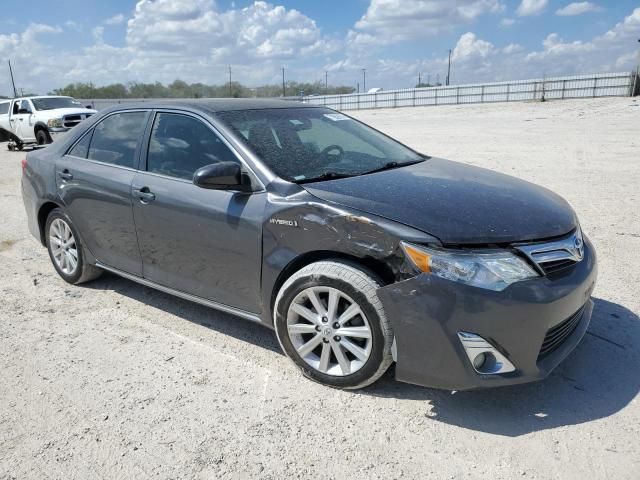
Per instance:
(59,112)
(455,202)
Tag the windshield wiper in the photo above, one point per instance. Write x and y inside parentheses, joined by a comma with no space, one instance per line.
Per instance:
(326,176)
(390,165)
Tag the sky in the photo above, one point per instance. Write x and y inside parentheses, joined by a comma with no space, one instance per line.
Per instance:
(396,41)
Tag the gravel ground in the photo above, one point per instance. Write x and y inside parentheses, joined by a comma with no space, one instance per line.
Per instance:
(114,380)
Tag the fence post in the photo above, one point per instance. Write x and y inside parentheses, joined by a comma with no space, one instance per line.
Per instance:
(395,99)
(436,96)
(595,83)
(414,97)
(564,83)
(340,105)
(482,94)
(375,100)
(508,90)
(635,81)
(457,95)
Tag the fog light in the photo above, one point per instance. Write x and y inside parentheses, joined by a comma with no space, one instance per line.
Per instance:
(484,357)
(479,361)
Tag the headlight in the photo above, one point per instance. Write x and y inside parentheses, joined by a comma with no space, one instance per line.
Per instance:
(54,122)
(493,271)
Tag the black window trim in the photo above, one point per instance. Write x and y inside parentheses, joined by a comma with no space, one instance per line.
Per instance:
(137,153)
(144,153)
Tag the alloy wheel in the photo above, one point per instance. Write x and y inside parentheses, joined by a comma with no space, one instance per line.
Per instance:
(63,246)
(329,331)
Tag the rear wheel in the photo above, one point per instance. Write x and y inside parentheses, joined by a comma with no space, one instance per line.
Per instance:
(330,322)
(65,249)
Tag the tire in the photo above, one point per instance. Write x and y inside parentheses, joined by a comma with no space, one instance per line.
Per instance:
(364,360)
(42,137)
(57,230)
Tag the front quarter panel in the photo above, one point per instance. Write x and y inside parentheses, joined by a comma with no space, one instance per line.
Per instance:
(301,225)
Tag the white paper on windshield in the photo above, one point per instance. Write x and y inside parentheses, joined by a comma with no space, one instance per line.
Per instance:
(336,117)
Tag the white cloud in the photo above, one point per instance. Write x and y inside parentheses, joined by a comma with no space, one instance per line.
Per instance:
(470,46)
(507,22)
(512,48)
(115,20)
(531,7)
(390,21)
(578,8)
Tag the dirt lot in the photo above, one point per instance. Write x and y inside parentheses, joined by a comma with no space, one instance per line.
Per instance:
(114,380)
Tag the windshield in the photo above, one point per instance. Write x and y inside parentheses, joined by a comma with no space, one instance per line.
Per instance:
(55,102)
(305,144)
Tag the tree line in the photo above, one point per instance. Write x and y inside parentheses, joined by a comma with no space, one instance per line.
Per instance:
(181,89)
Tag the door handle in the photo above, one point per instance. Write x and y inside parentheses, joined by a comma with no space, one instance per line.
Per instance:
(21,119)
(12,120)
(65,175)
(144,194)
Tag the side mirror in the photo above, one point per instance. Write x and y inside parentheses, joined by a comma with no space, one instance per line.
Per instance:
(222,176)
(89,107)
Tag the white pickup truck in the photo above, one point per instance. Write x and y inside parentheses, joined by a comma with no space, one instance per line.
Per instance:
(37,120)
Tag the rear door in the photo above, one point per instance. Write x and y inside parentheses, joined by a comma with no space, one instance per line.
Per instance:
(202,242)
(94,182)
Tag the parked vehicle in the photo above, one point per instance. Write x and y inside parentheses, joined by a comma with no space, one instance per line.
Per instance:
(38,120)
(356,249)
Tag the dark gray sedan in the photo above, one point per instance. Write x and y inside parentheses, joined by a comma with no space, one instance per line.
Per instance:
(356,249)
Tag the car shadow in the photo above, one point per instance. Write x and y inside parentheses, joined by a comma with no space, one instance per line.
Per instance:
(598,379)
(215,320)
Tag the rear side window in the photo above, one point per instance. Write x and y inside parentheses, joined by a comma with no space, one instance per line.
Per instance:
(4,108)
(81,149)
(180,145)
(116,137)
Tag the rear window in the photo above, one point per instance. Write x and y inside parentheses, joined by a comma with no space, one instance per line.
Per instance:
(4,108)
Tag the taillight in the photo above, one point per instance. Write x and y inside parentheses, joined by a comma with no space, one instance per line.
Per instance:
(23,162)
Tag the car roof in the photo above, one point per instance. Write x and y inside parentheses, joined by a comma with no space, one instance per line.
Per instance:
(216,104)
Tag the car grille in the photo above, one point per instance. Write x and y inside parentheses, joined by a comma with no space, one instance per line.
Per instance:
(73,120)
(557,266)
(555,256)
(558,334)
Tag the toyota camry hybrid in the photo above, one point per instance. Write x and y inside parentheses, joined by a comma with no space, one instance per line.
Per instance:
(357,250)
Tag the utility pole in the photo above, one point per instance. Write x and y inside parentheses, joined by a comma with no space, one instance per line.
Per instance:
(230,94)
(358,84)
(449,69)
(15,92)
(326,82)
(284,89)
(364,80)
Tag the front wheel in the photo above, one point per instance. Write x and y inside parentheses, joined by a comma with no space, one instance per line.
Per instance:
(42,137)
(330,322)
(65,250)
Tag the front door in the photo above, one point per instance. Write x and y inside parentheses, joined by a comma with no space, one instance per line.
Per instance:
(94,182)
(202,242)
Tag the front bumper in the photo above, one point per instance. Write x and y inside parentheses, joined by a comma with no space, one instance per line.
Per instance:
(58,132)
(427,312)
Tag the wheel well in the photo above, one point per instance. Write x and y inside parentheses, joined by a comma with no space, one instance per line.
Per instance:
(39,127)
(378,268)
(43,213)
